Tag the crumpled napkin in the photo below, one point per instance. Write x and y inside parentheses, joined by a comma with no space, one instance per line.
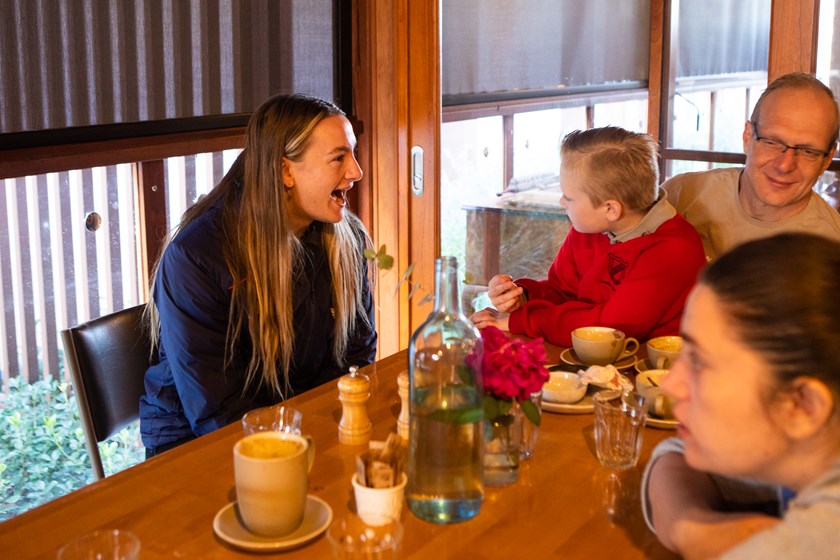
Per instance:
(607,377)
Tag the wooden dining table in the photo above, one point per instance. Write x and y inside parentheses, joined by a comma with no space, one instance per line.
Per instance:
(564,505)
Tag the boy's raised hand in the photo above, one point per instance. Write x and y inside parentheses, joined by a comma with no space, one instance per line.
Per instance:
(505,295)
(489,317)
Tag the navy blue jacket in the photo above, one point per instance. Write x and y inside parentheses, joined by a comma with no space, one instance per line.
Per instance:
(190,393)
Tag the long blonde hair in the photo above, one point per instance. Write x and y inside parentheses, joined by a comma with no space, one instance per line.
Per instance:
(261,248)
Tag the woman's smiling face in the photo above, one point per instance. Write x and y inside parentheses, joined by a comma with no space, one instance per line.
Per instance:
(318,182)
(722,390)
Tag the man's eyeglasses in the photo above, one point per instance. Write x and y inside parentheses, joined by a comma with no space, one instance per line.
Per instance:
(775,147)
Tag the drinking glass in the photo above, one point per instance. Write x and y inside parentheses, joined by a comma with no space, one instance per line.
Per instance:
(619,425)
(351,538)
(112,544)
(530,431)
(277,418)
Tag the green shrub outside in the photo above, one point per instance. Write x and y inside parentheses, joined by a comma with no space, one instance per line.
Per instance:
(42,446)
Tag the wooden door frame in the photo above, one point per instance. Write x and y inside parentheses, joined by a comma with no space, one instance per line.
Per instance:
(396,104)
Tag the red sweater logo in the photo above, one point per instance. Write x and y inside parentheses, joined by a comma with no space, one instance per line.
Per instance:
(617,268)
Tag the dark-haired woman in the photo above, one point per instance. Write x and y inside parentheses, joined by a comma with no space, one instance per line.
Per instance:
(755,471)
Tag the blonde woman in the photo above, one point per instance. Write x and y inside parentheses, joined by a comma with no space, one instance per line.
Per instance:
(262,292)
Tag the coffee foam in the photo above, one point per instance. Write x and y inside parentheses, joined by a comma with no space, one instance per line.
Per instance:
(667,345)
(269,447)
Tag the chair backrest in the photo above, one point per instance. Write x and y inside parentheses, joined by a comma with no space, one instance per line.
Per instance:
(107,359)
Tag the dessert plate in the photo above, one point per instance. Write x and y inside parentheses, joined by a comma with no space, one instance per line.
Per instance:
(568,355)
(317,516)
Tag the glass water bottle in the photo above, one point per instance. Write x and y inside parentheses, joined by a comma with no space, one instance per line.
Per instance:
(445,409)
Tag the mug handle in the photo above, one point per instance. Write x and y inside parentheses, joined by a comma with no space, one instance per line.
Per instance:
(310,452)
(631,346)
(664,362)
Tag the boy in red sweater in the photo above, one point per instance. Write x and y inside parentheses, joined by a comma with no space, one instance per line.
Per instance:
(629,260)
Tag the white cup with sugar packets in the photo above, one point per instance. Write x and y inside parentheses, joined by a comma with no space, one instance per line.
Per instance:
(271,470)
(377,505)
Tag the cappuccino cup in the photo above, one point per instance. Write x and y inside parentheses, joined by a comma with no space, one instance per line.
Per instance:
(271,470)
(648,383)
(600,346)
(663,351)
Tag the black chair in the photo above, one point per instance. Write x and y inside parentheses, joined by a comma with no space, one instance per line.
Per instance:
(107,359)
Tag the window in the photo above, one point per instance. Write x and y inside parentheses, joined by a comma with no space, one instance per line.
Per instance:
(712,82)
(828,70)
(105,102)
(517,77)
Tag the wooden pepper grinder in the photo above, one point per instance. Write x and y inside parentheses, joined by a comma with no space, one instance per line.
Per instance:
(354,392)
(402,420)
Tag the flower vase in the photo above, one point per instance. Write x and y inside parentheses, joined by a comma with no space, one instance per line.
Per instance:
(502,442)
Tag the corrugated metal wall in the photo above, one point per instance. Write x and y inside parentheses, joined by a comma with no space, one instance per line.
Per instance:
(68,63)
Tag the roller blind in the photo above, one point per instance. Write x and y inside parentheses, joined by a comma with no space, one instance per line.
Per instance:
(76,63)
(497,49)
(723,37)
(521,48)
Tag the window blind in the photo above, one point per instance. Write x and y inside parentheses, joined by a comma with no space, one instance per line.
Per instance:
(498,49)
(77,63)
(493,49)
(722,37)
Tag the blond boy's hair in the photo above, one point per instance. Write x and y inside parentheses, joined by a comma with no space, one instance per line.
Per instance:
(618,164)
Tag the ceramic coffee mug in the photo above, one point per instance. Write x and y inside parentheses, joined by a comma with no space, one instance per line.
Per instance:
(272,478)
(599,346)
(648,384)
(663,351)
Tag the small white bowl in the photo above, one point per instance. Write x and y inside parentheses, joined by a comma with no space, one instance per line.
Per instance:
(564,387)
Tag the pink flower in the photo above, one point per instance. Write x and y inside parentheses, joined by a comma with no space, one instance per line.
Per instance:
(511,369)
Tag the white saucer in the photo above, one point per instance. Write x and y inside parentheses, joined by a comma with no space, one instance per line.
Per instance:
(316,518)
(661,423)
(568,355)
(583,406)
